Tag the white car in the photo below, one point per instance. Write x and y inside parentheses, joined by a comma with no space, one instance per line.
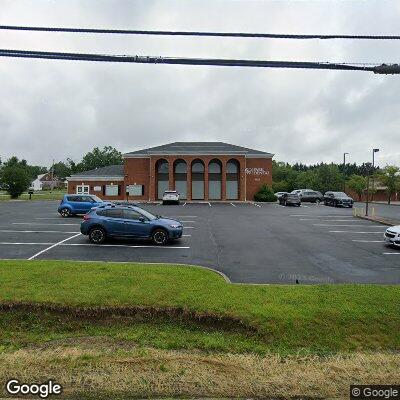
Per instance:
(170,196)
(392,236)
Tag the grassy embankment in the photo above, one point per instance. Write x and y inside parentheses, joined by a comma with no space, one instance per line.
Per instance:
(41,195)
(174,330)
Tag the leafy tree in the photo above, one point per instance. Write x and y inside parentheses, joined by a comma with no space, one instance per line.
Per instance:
(265,194)
(328,177)
(281,186)
(357,183)
(32,170)
(390,177)
(61,170)
(100,158)
(16,179)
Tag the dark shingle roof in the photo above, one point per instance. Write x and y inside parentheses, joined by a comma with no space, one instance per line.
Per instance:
(110,170)
(198,148)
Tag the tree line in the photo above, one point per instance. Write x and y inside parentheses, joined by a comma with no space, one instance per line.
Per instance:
(323,177)
(17,175)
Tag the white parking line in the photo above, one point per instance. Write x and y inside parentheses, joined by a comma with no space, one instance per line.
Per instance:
(187,221)
(42,223)
(209,204)
(233,205)
(380,232)
(126,245)
(367,241)
(392,253)
(257,205)
(184,204)
(15,231)
(28,243)
(89,244)
(357,226)
(322,216)
(188,227)
(52,246)
(328,220)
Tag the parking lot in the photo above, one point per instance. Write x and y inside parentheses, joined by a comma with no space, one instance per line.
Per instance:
(248,242)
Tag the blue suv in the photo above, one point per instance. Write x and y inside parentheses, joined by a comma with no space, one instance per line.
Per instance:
(73,204)
(130,222)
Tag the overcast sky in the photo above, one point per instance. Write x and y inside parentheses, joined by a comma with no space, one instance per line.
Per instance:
(59,109)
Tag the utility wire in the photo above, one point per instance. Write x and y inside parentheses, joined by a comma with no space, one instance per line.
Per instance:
(195,33)
(378,69)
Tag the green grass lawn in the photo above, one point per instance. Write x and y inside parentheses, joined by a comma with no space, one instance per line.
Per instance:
(40,195)
(287,319)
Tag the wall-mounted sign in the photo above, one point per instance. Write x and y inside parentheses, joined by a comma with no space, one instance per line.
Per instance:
(135,190)
(256,171)
(97,188)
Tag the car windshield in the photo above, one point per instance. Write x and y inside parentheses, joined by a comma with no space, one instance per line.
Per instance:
(147,214)
(96,199)
(340,194)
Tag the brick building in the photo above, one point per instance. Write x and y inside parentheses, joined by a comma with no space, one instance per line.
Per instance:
(209,171)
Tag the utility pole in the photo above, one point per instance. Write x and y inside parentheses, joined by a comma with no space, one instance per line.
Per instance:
(373,167)
(344,172)
(52,176)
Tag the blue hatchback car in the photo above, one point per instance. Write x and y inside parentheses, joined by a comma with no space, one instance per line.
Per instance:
(130,222)
(73,204)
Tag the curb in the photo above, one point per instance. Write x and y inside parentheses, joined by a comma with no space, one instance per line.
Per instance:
(385,203)
(378,220)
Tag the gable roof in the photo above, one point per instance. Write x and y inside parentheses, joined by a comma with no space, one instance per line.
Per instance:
(210,148)
(110,171)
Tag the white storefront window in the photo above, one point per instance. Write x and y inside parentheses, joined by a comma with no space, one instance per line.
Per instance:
(111,190)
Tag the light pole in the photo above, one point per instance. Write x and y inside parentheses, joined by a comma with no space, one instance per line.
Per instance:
(373,167)
(344,171)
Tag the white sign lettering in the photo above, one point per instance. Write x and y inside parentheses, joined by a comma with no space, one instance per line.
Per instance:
(256,171)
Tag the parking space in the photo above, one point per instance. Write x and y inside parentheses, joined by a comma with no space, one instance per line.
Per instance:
(248,242)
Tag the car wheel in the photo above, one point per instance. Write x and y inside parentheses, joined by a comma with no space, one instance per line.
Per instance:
(97,235)
(160,237)
(65,212)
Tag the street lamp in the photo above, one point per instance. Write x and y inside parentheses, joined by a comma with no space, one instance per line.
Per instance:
(373,167)
(344,171)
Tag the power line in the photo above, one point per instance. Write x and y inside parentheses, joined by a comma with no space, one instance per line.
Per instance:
(379,69)
(196,33)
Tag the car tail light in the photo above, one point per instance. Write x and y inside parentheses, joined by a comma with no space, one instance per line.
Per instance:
(86,217)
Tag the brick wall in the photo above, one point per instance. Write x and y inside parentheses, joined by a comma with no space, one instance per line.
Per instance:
(137,172)
(258,172)
(92,183)
(143,171)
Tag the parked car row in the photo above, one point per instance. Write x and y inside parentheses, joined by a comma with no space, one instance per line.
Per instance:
(103,219)
(296,197)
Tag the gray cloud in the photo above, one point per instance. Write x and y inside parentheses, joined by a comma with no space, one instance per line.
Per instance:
(56,109)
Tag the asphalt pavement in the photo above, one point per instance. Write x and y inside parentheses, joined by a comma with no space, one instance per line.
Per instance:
(248,242)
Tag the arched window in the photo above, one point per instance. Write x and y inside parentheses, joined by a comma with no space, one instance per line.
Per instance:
(214,179)
(162,173)
(180,178)
(197,180)
(232,180)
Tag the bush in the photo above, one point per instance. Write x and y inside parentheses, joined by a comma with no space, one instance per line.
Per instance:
(16,180)
(265,194)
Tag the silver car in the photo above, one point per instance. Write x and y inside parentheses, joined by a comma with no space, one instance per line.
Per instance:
(170,196)
(392,236)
